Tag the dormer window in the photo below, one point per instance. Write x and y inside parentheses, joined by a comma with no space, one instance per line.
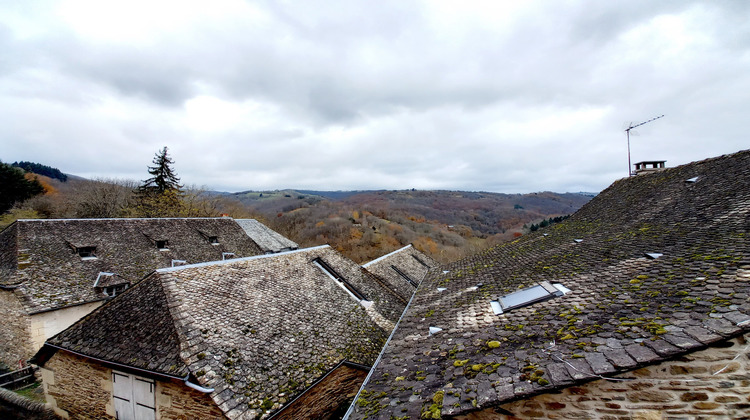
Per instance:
(162,245)
(115,290)
(86,252)
(528,296)
(110,284)
(214,240)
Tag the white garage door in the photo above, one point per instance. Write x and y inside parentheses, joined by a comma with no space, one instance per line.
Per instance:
(133,397)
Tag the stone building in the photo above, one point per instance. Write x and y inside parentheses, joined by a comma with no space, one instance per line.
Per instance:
(637,306)
(53,272)
(402,269)
(289,335)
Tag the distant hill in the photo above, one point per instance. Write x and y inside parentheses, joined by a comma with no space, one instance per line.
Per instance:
(40,169)
(445,224)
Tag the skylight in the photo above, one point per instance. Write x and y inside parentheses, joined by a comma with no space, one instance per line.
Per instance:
(340,280)
(404,276)
(419,260)
(528,296)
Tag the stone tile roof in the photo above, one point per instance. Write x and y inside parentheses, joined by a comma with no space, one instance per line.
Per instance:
(258,330)
(40,258)
(624,309)
(402,269)
(268,239)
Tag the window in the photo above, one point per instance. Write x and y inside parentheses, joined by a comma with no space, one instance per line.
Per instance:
(528,296)
(405,277)
(162,245)
(86,252)
(214,240)
(115,290)
(339,279)
(133,397)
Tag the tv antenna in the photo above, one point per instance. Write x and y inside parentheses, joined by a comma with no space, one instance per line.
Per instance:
(627,132)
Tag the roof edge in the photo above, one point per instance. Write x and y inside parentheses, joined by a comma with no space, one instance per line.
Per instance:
(234,260)
(124,218)
(386,256)
(106,362)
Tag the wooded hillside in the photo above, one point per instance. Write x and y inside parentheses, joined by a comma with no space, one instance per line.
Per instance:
(363,225)
(444,224)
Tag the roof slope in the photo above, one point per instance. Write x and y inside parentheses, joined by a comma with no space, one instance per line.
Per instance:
(258,330)
(41,261)
(268,239)
(624,310)
(402,269)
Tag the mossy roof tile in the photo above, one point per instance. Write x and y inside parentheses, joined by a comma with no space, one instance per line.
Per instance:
(623,305)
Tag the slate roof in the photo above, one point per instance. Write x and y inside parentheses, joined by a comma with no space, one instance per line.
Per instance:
(402,269)
(40,259)
(268,239)
(258,330)
(625,309)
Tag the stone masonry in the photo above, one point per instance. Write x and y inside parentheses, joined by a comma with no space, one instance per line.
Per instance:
(80,388)
(339,387)
(712,383)
(14,333)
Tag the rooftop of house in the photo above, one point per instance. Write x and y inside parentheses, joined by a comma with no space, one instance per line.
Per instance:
(402,269)
(653,267)
(268,239)
(258,330)
(52,264)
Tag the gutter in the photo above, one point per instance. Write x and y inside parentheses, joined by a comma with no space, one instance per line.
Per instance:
(196,387)
(107,362)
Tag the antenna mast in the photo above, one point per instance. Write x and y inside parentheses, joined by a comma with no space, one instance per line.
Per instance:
(627,132)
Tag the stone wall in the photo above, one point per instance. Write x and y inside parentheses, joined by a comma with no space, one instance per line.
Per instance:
(77,389)
(325,398)
(14,332)
(690,386)
(174,400)
(80,388)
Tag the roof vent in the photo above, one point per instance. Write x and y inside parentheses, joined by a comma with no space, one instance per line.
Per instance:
(545,234)
(446,271)
(435,330)
(441,289)
(578,241)
(693,179)
(653,255)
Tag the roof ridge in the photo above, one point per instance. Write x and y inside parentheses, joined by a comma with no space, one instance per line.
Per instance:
(386,256)
(236,260)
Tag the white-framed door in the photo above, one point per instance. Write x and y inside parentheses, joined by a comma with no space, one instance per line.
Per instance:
(134,397)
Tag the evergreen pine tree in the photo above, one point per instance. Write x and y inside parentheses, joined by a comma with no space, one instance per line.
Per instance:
(160,195)
(163,178)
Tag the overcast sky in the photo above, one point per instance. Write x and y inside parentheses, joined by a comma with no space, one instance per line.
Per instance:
(328,95)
